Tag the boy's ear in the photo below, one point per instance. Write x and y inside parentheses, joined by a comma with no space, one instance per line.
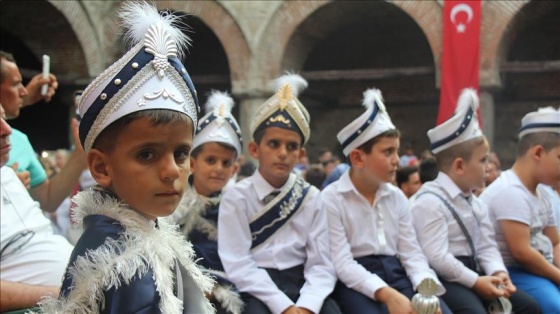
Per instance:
(253,149)
(98,166)
(192,164)
(302,153)
(536,152)
(356,158)
(458,166)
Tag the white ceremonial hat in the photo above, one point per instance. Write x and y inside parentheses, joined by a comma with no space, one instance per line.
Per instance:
(149,76)
(374,121)
(218,125)
(542,120)
(461,127)
(284,110)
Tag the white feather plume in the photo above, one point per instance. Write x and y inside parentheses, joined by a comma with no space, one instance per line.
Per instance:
(218,98)
(295,81)
(468,98)
(371,96)
(138,17)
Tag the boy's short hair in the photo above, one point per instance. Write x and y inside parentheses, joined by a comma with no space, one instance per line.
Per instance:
(548,140)
(195,152)
(403,174)
(8,57)
(463,150)
(106,140)
(315,175)
(367,146)
(428,169)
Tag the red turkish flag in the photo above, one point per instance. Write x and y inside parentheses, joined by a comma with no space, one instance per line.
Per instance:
(460,60)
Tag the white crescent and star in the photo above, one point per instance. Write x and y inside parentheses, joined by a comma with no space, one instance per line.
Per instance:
(461,7)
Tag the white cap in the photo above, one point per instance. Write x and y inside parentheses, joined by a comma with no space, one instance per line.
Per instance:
(374,121)
(149,76)
(218,125)
(543,120)
(461,127)
(284,110)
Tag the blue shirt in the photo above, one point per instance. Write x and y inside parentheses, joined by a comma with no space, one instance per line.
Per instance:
(23,153)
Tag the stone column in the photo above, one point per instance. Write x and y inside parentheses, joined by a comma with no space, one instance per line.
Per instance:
(488,120)
(247,108)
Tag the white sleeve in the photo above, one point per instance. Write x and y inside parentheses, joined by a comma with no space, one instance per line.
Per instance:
(234,248)
(509,204)
(411,255)
(430,224)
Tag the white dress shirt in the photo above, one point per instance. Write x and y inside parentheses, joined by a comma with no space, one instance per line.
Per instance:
(441,237)
(508,199)
(357,229)
(303,240)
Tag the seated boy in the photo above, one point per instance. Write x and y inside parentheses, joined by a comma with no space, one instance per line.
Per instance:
(373,245)
(452,224)
(215,149)
(272,232)
(137,126)
(524,222)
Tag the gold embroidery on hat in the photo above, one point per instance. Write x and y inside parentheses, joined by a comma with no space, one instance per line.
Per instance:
(280,118)
(284,95)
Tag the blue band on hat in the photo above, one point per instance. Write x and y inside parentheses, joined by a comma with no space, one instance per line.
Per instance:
(538,125)
(456,134)
(176,63)
(125,74)
(233,125)
(281,119)
(362,128)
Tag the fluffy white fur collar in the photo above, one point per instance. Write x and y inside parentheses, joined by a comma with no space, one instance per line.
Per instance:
(142,245)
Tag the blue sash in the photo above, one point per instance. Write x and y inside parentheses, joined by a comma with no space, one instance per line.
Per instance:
(278,211)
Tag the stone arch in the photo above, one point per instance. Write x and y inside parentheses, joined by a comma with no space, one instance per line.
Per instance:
(495,40)
(427,14)
(86,34)
(215,16)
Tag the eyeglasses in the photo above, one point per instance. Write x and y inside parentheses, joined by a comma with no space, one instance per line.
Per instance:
(23,237)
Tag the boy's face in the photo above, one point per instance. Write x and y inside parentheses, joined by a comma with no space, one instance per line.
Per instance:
(475,171)
(278,152)
(149,166)
(381,163)
(412,185)
(212,168)
(550,167)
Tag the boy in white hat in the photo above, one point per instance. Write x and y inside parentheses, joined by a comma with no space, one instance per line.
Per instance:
(272,231)
(138,120)
(525,225)
(215,149)
(452,224)
(373,246)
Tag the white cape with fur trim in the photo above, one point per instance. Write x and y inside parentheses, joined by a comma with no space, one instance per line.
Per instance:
(142,247)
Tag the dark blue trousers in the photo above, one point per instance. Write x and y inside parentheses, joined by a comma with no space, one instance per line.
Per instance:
(463,300)
(388,268)
(290,281)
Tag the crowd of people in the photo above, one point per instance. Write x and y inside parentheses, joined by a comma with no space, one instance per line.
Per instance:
(158,211)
